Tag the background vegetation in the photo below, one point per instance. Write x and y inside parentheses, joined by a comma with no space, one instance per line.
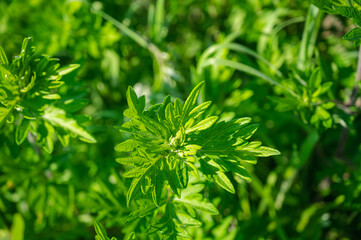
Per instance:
(283,63)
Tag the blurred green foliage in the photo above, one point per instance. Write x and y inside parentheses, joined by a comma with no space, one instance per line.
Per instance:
(283,63)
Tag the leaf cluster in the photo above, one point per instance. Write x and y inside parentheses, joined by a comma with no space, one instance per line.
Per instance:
(346,8)
(171,140)
(30,100)
(312,102)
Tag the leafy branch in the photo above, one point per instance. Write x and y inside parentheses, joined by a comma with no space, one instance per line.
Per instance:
(29,98)
(171,139)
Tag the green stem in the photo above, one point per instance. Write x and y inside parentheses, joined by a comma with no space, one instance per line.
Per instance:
(309,36)
(157,54)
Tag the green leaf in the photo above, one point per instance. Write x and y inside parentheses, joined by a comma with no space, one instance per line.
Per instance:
(18,227)
(5,113)
(22,131)
(247,132)
(223,181)
(182,174)
(58,117)
(191,100)
(3,59)
(100,231)
(67,69)
(188,220)
(177,106)
(325,5)
(202,125)
(53,96)
(197,111)
(169,114)
(133,172)
(140,181)
(131,236)
(353,34)
(30,85)
(130,160)
(199,205)
(45,133)
(192,189)
(261,151)
(127,146)
(316,78)
(158,187)
(135,105)
(63,135)
(238,169)
(346,11)
(174,181)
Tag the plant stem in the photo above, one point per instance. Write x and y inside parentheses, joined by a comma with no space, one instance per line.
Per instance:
(142,41)
(309,37)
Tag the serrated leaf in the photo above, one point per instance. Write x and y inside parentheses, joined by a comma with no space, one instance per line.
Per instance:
(130,160)
(58,117)
(182,233)
(199,205)
(133,172)
(354,34)
(132,188)
(153,126)
(188,220)
(325,5)
(145,208)
(247,131)
(137,182)
(346,11)
(127,146)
